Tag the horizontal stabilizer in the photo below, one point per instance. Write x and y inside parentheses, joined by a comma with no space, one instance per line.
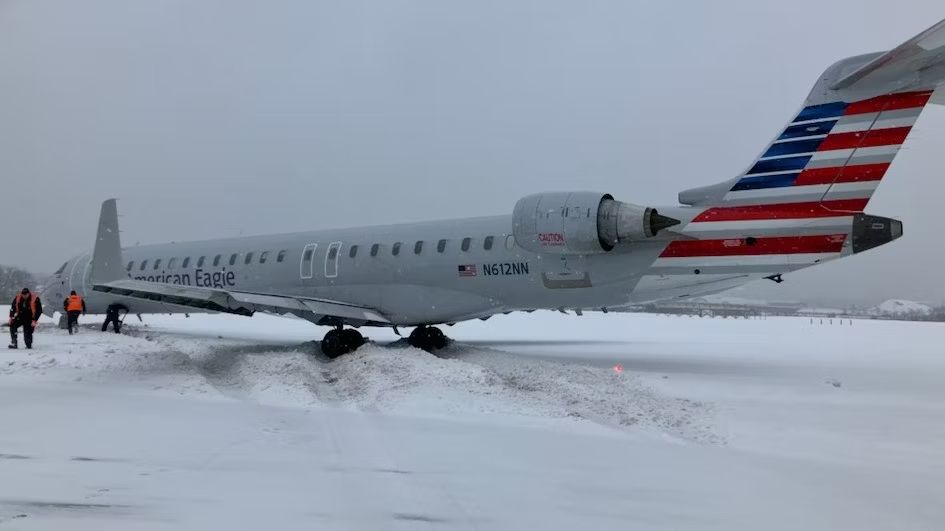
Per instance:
(917,64)
(319,311)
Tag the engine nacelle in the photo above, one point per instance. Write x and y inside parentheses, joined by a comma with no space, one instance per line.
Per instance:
(582,222)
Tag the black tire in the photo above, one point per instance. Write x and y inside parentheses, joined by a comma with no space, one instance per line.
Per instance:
(352,339)
(428,338)
(418,338)
(333,344)
(438,339)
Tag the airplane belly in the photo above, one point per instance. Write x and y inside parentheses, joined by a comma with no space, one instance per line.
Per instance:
(416,304)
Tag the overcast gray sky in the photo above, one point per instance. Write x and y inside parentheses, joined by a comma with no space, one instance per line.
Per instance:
(219,118)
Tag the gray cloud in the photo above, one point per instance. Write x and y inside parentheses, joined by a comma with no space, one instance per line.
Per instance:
(219,118)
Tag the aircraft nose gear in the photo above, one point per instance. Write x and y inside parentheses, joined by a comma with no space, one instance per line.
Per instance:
(428,338)
(340,341)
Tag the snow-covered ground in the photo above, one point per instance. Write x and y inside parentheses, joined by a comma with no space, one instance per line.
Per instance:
(219,422)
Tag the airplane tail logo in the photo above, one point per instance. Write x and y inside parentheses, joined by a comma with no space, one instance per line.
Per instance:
(828,161)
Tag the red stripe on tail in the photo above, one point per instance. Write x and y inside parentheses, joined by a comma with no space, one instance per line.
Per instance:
(872,138)
(842,174)
(890,102)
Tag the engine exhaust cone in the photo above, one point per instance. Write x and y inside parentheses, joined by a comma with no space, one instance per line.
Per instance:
(659,222)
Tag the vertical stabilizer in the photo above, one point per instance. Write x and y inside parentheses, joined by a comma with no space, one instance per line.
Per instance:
(106,258)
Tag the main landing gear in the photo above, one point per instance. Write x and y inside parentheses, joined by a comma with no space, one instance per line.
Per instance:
(428,338)
(340,341)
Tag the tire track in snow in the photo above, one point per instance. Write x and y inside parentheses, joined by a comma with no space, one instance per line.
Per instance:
(462,379)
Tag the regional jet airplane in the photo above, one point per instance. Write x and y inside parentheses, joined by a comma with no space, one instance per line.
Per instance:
(800,203)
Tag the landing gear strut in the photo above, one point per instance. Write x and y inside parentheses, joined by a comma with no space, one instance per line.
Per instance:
(428,338)
(340,341)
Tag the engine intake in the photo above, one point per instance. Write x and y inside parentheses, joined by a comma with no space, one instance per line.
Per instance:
(582,222)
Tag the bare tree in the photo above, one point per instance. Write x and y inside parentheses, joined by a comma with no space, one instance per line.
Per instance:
(12,280)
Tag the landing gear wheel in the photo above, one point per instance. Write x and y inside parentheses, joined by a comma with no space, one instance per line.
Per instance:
(340,341)
(352,339)
(428,338)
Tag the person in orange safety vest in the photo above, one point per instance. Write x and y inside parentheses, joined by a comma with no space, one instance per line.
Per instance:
(24,311)
(73,306)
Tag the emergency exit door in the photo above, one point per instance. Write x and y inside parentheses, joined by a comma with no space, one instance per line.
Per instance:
(307,260)
(331,259)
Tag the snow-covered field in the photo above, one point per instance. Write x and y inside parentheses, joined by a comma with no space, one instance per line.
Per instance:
(219,422)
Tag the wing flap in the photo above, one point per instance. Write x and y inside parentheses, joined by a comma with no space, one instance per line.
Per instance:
(319,311)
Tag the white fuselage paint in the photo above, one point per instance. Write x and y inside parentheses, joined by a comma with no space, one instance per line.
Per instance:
(425,287)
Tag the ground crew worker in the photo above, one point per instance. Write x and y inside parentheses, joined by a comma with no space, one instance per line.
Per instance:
(24,311)
(73,306)
(111,316)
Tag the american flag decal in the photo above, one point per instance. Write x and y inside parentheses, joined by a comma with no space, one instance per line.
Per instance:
(468,270)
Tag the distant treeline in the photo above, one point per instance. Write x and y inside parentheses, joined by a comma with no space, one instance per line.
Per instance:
(12,280)
(699,309)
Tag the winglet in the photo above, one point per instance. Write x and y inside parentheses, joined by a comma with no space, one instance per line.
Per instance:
(106,258)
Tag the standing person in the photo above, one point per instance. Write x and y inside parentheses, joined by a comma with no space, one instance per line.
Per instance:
(24,311)
(111,316)
(73,306)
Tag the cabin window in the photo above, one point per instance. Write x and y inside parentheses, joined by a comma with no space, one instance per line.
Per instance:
(396,249)
(281,256)
(263,256)
(172,263)
(353,251)
(332,253)
(216,259)
(201,260)
(144,264)
(487,243)
(130,265)
(157,264)
(233,258)
(249,258)
(441,246)
(510,242)
(307,255)
(417,247)
(185,263)
(374,248)
(466,242)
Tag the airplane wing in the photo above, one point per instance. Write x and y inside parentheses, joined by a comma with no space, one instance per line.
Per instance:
(318,311)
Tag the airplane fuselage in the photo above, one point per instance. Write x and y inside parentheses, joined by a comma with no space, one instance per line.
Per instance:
(426,273)
(420,273)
